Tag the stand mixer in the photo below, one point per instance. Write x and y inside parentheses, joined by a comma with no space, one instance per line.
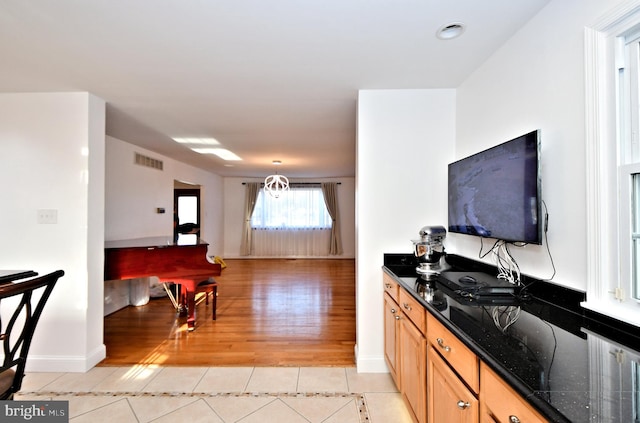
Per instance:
(429,250)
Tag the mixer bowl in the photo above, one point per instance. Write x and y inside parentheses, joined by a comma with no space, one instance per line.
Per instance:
(428,252)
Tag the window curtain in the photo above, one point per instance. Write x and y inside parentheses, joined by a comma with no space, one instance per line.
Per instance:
(330,193)
(251,195)
(290,242)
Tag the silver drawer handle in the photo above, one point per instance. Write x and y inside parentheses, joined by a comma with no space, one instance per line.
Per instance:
(442,345)
(514,419)
(463,404)
(406,306)
(393,310)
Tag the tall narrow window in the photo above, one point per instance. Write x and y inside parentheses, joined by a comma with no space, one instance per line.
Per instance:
(635,235)
(612,64)
(628,93)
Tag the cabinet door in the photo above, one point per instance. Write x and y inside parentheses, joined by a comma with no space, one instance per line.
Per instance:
(391,341)
(501,404)
(449,399)
(413,365)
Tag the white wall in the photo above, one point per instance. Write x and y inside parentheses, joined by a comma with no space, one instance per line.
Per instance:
(52,155)
(405,140)
(536,81)
(234,199)
(134,192)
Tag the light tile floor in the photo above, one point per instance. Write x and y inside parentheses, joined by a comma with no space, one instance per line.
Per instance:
(221,395)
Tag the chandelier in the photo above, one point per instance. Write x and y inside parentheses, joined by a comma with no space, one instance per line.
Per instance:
(276,184)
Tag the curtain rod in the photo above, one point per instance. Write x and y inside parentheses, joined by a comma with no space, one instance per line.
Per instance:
(299,183)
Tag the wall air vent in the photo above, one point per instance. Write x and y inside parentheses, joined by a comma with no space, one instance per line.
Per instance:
(143,160)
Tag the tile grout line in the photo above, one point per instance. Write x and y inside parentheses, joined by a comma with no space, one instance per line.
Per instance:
(359,398)
(191,394)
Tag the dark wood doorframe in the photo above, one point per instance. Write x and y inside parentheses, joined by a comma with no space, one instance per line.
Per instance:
(179,227)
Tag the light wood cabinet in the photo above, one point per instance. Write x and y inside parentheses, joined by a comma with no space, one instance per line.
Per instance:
(449,398)
(413,368)
(458,355)
(391,337)
(440,378)
(405,346)
(413,310)
(453,377)
(500,404)
(391,287)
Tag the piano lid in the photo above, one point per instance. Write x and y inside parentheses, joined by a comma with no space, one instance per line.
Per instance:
(154,242)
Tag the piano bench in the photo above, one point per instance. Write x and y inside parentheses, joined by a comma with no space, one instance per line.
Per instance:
(209,286)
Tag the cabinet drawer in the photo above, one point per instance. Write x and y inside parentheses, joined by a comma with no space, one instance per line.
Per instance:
(501,403)
(390,286)
(458,356)
(413,310)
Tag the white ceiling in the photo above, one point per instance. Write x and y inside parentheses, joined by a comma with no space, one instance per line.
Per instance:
(269,79)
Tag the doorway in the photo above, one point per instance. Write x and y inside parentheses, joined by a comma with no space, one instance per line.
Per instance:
(186,210)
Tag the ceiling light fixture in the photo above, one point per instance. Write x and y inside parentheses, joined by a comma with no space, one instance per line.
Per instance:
(197,141)
(276,184)
(223,153)
(450,31)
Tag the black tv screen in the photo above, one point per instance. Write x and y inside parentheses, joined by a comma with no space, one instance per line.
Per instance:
(496,193)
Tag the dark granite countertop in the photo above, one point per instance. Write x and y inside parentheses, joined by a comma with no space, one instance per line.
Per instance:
(570,365)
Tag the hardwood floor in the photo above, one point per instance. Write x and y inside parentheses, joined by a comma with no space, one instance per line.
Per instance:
(271,312)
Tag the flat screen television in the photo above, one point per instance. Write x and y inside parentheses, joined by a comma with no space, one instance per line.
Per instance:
(496,193)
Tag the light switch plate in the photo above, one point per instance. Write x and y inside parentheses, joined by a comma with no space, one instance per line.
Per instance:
(47,216)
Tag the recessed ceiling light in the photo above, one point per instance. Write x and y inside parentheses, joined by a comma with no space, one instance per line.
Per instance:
(450,31)
(197,141)
(223,153)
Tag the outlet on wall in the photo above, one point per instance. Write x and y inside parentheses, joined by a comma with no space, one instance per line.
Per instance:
(47,216)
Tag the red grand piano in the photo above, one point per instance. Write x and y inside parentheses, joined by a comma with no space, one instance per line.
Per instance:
(183,262)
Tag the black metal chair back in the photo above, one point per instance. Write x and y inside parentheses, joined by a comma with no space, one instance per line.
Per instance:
(16,333)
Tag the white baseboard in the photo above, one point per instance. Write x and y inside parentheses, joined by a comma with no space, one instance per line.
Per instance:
(370,364)
(64,364)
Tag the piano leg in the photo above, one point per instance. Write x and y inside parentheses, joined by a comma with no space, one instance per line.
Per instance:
(188,287)
(191,310)
(188,301)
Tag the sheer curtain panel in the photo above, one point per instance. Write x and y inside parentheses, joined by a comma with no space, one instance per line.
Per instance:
(291,242)
(330,193)
(251,196)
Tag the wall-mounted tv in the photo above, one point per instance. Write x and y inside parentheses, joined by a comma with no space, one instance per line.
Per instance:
(497,193)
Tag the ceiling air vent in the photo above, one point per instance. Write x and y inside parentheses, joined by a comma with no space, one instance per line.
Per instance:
(148,161)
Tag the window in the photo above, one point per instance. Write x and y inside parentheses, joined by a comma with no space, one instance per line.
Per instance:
(612,65)
(297,224)
(635,236)
(627,82)
(298,208)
